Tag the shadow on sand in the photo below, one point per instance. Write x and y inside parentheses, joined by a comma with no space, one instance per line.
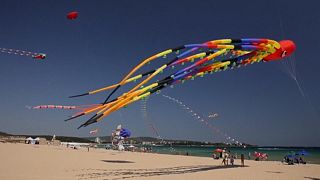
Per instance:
(312,178)
(117,174)
(275,172)
(116,161)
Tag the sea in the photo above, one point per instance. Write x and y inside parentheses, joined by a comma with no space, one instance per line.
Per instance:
(312,154)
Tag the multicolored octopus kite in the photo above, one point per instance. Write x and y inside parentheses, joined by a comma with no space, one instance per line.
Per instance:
(208,57)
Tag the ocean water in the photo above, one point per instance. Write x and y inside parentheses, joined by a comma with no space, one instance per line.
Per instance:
(274,153)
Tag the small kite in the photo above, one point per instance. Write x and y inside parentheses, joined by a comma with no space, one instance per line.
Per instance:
(95,131)
(37,56)
(72,15)
(214,115)
(204,58)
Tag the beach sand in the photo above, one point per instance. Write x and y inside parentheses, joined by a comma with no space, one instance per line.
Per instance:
(22,161)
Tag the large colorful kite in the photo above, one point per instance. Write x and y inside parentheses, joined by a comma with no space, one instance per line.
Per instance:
(209,57)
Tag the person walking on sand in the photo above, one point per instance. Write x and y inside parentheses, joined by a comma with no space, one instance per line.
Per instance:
(224,160)
(242,160)
(223,157)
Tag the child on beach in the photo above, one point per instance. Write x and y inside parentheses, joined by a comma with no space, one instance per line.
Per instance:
(232,160)
(214,156)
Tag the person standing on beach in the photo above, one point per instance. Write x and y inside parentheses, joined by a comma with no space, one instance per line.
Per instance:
(227,158)
(232,160)
(242,160)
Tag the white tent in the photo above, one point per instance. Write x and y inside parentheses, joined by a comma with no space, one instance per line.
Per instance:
(30,140)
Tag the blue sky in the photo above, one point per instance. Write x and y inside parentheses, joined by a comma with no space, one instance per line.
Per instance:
(257,104)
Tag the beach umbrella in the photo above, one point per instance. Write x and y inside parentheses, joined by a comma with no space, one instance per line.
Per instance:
(303,153)
(218,150)
(290,156)
(257,154)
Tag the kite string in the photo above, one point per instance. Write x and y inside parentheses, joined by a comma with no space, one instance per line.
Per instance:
(290,66)
(202,120)
(147,119)
(150,124)
(300,83)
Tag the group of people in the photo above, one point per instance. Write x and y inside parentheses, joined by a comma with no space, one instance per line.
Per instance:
(293,159)
(227,157)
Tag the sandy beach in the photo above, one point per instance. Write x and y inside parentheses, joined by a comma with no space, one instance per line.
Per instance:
(21,161)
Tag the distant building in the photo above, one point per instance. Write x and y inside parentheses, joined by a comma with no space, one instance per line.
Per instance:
(146,143)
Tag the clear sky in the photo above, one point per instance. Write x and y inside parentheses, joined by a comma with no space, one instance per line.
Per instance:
(258,104)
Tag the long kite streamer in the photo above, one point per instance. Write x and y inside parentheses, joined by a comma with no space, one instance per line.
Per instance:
(38,56)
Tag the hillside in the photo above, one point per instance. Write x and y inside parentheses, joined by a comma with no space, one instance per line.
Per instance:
(134,140)
(4,134)
(61,138)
